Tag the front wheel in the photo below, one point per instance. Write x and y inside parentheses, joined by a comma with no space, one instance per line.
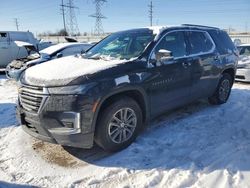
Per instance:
(223,90)
(118,124)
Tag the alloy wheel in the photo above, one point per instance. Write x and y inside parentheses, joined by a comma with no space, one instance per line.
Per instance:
(122,125)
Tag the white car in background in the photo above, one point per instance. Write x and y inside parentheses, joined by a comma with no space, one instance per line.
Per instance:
(18,66)
(243,68)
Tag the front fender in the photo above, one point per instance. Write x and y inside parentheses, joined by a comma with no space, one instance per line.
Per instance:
(119,91)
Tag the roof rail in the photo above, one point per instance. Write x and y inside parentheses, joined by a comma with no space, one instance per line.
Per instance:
(193,25)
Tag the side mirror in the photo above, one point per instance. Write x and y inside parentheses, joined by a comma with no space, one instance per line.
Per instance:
(164,55)
(59,55)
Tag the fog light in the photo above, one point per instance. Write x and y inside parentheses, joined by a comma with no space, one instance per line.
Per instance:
(70,122)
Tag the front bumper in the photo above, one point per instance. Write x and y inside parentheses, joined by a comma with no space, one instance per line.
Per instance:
(243,75)
(60,122)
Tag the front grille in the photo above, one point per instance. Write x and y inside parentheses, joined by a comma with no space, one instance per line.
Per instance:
(31,97)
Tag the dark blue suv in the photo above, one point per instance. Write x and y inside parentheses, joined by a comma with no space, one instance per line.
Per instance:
(108,94)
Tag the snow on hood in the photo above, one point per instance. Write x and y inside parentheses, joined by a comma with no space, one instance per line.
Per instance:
(62,71)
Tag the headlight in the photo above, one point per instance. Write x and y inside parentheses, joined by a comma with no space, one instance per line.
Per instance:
(70,90)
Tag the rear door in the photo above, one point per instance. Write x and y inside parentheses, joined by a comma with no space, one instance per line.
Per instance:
(204,63)
(171,80)
(5,50)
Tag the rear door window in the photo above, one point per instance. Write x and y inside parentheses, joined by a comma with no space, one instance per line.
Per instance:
(200,42)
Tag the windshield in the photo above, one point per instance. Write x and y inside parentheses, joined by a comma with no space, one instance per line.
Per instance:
(124,45)
(244,50)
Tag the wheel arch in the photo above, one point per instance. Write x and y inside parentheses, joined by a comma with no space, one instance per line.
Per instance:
(231,71)
(138,94)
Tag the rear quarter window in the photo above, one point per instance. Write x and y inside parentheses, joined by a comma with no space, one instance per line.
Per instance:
(223,42)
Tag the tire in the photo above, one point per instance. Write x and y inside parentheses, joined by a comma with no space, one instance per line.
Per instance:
(113,131)
(223,90)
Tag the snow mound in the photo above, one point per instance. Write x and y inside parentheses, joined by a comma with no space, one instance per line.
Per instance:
(64,70)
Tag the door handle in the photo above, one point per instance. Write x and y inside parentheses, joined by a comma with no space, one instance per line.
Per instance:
(186,64)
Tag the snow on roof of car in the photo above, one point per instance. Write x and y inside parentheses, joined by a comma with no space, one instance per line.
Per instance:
(157,30)
(246,44)
(64,70)
(54,48)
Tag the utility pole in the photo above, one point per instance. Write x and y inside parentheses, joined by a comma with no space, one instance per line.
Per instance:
(246,27)
(16,23)
(63,14)
(98,16)
(151,12)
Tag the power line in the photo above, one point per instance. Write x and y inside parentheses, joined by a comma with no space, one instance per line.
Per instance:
(70,24)
(63,14)
(98,16)
(74,30)
(151,13)
(16,23)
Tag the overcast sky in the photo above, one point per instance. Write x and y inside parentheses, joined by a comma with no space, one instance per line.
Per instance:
(44,15)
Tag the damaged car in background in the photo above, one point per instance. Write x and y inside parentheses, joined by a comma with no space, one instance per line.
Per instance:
(18,66)
(9,50)
(243,68)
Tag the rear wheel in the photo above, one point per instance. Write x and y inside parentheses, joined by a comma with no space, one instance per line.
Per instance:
(118,124)
(223,90)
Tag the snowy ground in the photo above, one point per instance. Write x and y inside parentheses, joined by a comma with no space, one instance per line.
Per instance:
(197,146)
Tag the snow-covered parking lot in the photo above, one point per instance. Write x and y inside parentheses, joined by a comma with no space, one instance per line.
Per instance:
(196,146)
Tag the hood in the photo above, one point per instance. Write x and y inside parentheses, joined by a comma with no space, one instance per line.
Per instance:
(62,71)
(28,46)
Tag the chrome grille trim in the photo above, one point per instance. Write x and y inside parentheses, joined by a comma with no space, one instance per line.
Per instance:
(32,98)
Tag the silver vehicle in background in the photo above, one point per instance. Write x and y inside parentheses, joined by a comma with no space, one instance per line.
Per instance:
(243,68)
(18,66)
(10,51)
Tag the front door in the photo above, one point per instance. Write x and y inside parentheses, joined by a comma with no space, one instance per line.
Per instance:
(170,82)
